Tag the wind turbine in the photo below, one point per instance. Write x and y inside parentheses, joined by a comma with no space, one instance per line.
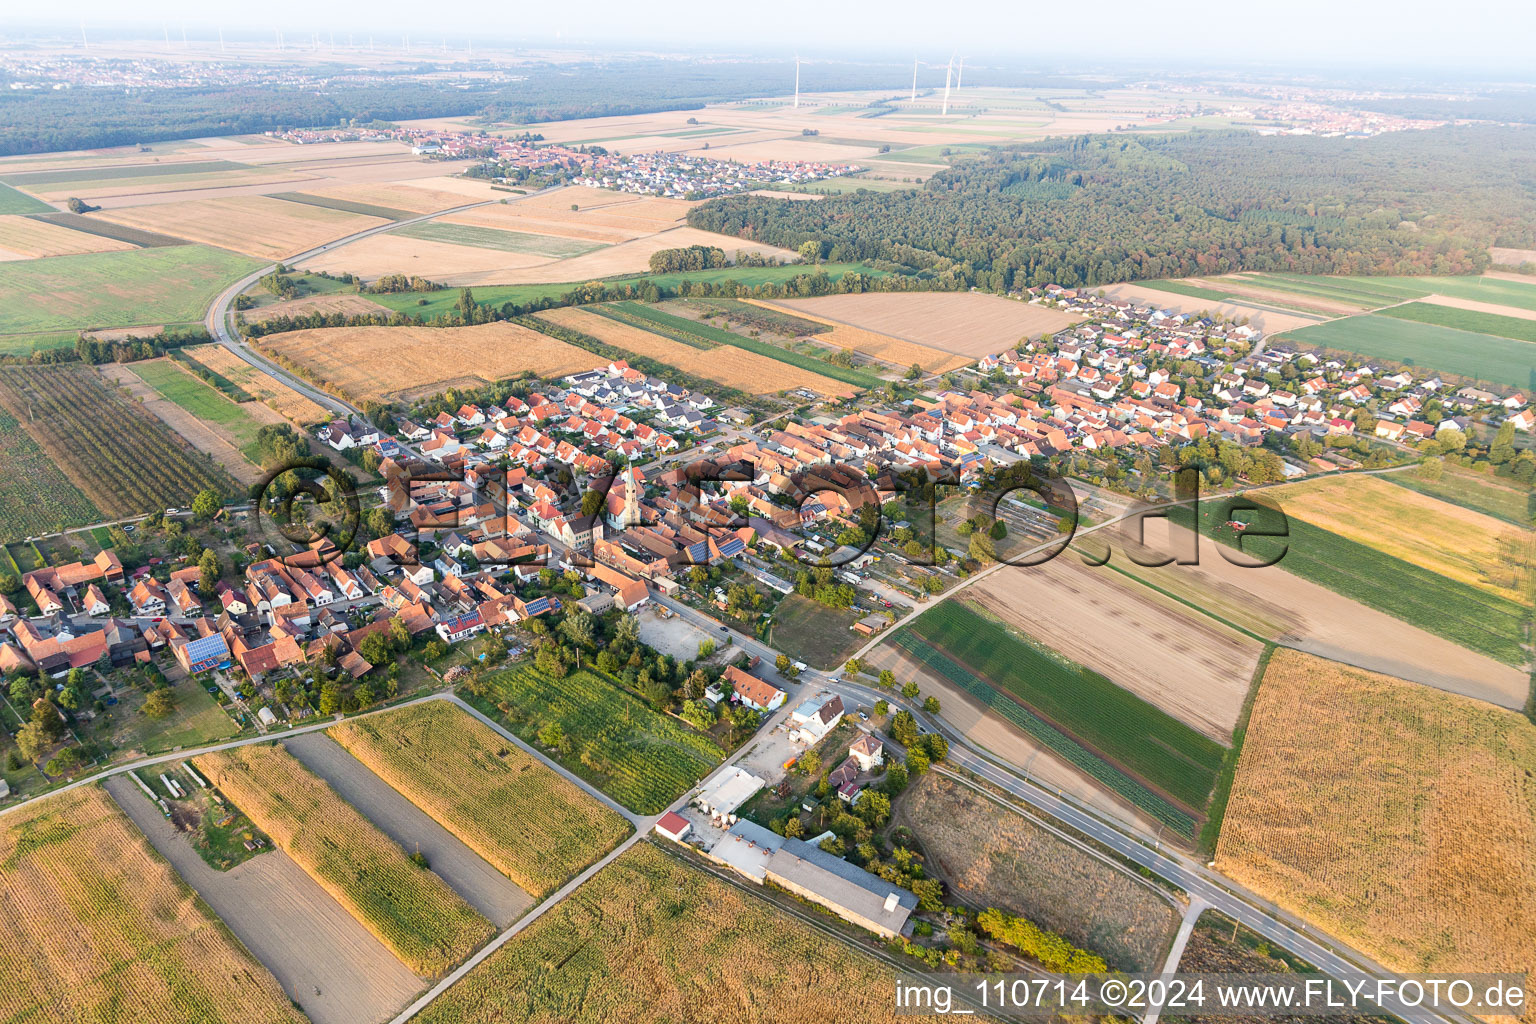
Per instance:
(960,75)
(84,42)
(949,72)
(184,43)
(221,38)
(797,82)
(915,62)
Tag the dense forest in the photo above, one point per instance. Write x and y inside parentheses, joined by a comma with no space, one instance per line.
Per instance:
(84,118)
(45,121)
(1095,210)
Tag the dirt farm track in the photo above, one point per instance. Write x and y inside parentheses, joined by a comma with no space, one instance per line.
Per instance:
(325,960)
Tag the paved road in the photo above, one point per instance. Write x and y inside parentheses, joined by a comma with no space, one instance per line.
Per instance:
(220,319)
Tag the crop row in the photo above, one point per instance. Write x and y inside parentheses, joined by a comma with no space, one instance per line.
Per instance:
(523,818)
(116,452)
(1147,740)
(1053,739)
(641,758)
(1460,613)
(409,909)
(34,496)
(690,333)
(95,926)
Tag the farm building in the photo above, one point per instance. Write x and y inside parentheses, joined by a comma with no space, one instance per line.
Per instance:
(674,826)
(846,889)
(728,790)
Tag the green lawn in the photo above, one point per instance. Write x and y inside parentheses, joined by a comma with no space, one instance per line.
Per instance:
(495,238)
(523,294)
(200,399)
(640,757)
(170,285)
(811,632)
(1483,356)
(1192,290)
(1472,320)
(12,201)
(197,720)
(677,328)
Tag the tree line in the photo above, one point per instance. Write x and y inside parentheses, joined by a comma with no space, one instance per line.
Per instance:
(1094,210)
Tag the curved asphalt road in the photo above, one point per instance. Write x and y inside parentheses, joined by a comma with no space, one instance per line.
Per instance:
(221,321)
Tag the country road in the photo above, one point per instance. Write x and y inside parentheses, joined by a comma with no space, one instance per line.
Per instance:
(220,319)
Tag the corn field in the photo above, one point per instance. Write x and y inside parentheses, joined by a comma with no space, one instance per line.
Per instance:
(1400,818)
(94,926)
(650,938)
(409,909)
(531,824)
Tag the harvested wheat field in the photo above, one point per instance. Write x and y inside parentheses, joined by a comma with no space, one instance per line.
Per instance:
(735,368)
(1399,819)
(533,825)
(22,238)
(255,225)
(384,363)
(414,197)
(424,923)
(650,938)
(994,856)
(883,347)
(1458,543)
(324,959)
(965,323)
(266,388)
(447,263)
(94,926)
(347,305)
(1186,663)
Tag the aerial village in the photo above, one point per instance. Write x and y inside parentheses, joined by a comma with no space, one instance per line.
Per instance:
(498,516)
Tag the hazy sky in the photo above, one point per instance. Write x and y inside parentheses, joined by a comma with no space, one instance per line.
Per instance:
(1486,33)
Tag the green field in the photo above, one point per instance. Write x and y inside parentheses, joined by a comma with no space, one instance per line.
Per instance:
(35,497)
(1385,291)
(837,186)
(495,238)
(1192,290)
(641,758)
(12,201)
(345,205)
(932,154)
(26,344)
(447,300)
(132,173)
(1482,492)
(679,328)
(1481,356)
(115,289)
(201,400)
(1463,614)
(1471,320)
(197,720)
(1139,736)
